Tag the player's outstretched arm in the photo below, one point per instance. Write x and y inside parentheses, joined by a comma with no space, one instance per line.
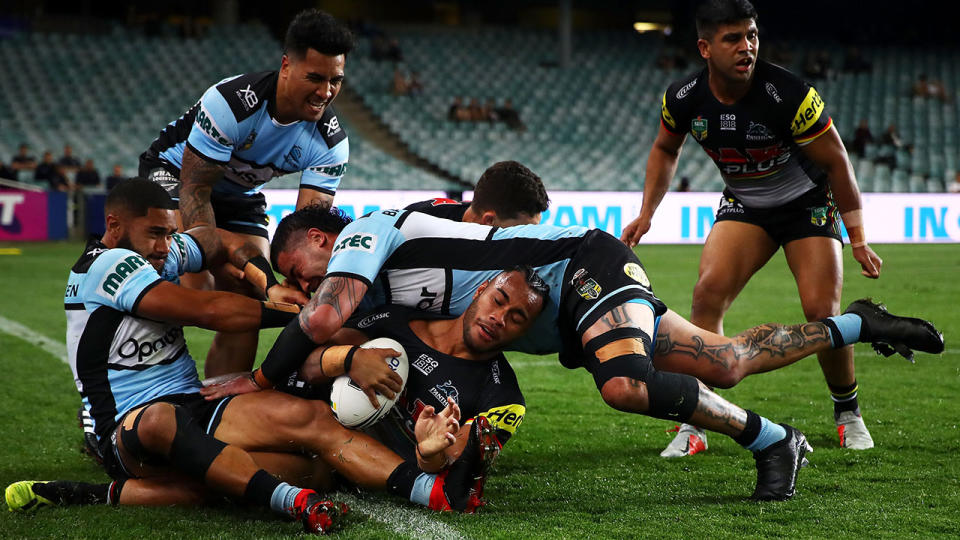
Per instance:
(197,177)
(213,310)
(828,152)
(661,166)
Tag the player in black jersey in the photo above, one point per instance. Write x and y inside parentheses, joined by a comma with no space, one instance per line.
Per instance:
(507,194)
(787,179)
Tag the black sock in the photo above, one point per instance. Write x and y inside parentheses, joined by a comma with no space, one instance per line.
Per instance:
(260,488)
(64,492)
(844,399)
(751,431)
(401,480)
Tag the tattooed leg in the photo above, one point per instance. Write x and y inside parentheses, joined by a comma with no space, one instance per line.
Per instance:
(717,414)
(722,361)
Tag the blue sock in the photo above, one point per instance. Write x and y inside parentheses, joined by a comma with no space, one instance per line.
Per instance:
(844,329)
(283,498)
(769,434)
(422,487)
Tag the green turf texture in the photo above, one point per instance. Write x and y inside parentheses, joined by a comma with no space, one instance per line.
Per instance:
(576,468)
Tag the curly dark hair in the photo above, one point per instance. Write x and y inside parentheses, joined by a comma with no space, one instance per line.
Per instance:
(318,30)
(314,216)
(508,188)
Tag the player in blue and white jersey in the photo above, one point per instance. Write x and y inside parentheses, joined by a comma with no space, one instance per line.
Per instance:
(601,316)
(244,131)
(140,385)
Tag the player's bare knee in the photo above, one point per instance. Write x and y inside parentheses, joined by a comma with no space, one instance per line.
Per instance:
(625,394)
(156,427)
(821,310)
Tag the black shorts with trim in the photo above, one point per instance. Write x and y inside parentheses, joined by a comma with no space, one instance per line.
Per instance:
(604,274)
(235,212)
(812,214)
(208,413)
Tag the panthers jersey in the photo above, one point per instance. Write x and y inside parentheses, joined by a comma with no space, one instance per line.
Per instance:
(442,208)
(487,388)
(120,360)
(233,124)
(423,262)
(756,142)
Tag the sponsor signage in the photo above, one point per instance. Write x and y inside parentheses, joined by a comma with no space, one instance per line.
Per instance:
(682,218)
(29,215)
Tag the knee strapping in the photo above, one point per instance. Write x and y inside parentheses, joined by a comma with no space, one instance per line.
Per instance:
(672,396)
(193,450)
(615,356)
(131,441)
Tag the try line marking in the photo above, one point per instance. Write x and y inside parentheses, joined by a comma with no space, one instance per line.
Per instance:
(402,519)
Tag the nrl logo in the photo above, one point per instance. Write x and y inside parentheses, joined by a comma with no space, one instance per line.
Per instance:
(698,128)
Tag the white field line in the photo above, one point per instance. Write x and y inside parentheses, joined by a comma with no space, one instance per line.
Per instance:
(403,519)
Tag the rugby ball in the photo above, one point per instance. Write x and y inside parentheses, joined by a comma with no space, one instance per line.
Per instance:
(351,406)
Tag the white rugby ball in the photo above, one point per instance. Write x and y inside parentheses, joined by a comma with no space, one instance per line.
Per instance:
(351,406)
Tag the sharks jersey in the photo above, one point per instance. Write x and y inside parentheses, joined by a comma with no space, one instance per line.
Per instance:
(233,125)
(487,388)
(423,262)
(756,142)
(120,360)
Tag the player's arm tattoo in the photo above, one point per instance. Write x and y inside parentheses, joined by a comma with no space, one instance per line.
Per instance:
(197,177)
(767,340)
(616,318)
(342,295)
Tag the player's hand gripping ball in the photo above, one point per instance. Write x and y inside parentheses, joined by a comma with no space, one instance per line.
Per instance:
(351,406)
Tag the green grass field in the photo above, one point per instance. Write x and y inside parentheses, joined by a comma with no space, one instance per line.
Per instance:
(576,468)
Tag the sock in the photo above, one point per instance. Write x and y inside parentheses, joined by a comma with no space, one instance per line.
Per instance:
(760,433)
(401,480)
(75,493)
(844,399)
(844,329)
(262,489)
(422,486)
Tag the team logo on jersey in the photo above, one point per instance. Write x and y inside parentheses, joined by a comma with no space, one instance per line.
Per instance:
(587,287)
(682,93)
(359,241)
(758,132)
(123,269)
(248,142)
(506,417)
(248,97)
(333,126)
(772,90)
(444,390)
(729,205)
(636,273)
(425,364)
(293,157)
(728,122)
(698,127)
(368,321)
(818,215)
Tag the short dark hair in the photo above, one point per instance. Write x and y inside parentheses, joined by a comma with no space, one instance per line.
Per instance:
(314,216)
(318,30)
(713,13)
(533,280)
(508,188)
(137,196)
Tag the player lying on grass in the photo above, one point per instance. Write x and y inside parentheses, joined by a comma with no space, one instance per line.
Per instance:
(601,316)
(500,312)
(140,384)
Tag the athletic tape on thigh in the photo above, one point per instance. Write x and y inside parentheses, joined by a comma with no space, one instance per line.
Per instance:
(633,366)
(672,396)
(616,334)
(131,441)
(193,450)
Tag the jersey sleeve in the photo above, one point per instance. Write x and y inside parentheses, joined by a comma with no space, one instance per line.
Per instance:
(215,129)
(502,401)
(118,279)
(667,118)
(326,171)
(185,255)
(810,119)
(363,247)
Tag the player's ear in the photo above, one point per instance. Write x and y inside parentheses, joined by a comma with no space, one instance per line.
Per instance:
(480,289)
(704,47)
(317,236)
(489,218)
(113,225)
